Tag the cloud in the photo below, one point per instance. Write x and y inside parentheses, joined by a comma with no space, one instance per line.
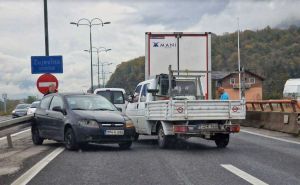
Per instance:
(252,15)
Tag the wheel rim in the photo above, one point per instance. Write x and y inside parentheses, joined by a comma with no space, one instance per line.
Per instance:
(161,136)
(68,139)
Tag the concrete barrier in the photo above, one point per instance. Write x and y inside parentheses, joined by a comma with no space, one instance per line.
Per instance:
(277,121)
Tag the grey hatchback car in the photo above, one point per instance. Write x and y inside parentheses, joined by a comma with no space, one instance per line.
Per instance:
(78,119)
(20,110)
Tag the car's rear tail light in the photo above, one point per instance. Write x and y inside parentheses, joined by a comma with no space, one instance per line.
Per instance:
(180,128)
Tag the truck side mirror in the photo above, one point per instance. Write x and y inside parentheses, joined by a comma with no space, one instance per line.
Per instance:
(130,98)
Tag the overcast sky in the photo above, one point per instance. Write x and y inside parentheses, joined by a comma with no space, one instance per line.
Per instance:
(22,32)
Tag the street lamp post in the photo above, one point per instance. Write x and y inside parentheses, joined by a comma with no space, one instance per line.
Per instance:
(90,23)
(98,50)
(103,74)
(104,78)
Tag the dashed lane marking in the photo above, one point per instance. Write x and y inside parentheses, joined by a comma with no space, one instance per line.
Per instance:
(249,178)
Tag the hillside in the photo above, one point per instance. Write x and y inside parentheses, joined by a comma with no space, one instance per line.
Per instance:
(272,53)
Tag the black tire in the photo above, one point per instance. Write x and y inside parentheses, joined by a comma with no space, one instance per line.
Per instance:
(125,146)
(163,140)
(70,140)
(136,136)
(222,140)
(35,135)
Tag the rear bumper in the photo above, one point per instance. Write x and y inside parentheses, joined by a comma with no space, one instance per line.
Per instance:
(97,135)
(194,130)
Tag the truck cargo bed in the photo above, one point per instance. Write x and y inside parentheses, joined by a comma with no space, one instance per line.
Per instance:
(176,110)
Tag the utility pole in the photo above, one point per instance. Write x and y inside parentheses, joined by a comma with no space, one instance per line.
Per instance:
(239,59)
(46,28)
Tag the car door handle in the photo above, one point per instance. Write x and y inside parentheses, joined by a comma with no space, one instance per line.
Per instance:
(137,106)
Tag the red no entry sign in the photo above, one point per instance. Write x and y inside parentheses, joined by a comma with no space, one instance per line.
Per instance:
(44,81)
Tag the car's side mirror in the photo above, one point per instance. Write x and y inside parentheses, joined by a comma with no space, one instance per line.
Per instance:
(59,109)
(119,109)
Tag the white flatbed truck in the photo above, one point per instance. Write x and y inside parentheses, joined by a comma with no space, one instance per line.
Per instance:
(177,104)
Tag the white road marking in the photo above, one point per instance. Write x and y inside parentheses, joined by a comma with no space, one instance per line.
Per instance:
(270,137)
(249,178)
(15,134)
(32,172)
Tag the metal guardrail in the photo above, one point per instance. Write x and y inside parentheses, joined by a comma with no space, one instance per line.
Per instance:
(12,122)
(281,105)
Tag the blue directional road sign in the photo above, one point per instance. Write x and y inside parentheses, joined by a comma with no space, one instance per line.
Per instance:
(46,64)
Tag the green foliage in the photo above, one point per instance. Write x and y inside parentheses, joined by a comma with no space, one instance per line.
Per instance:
(272,53)
(30,99)
(10,106)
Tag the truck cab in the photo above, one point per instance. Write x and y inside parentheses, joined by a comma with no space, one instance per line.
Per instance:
(137,105)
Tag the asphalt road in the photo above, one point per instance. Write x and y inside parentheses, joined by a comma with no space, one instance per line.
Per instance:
(266,160)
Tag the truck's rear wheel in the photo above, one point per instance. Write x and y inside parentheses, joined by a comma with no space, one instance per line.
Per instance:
(163,140)
(222,140)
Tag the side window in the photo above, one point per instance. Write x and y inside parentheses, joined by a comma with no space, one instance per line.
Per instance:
(118,97)
(56,102)
(45,102)
(106,94)
(252,80)
(137,93)
(232,81)
(144,93)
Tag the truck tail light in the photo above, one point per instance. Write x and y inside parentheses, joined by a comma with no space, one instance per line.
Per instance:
(234,128)
(180,129)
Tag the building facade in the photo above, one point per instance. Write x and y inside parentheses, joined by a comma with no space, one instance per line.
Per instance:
(252,85)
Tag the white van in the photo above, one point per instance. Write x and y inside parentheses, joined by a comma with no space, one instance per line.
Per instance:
(292,89)
(114,95)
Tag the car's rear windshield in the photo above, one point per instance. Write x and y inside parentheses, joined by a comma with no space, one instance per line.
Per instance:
(22,106)
(34,105)
(115,97)
(88,102)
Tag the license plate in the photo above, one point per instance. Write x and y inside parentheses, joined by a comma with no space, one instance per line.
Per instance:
(114,132)
(208,126)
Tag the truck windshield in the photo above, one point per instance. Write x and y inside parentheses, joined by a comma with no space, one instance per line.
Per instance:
(115,97)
